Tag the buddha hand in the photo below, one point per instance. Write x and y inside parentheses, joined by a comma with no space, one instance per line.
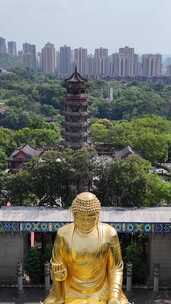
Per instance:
(59,271)
(113,301)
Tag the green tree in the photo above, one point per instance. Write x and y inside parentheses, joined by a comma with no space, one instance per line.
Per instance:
(83,168)
(51,178)
(19,188)
(129,183)
(100,130)
(123,182)
(51,93)
(149,136)
(38,137)
(3,159)
(7,142)
(33,265)
(136,255)
(158,191)
(152,147)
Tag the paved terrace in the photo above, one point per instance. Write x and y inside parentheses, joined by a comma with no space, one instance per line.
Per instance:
(35,295)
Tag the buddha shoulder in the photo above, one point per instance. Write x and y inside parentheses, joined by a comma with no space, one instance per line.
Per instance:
(108,231)
(66,230)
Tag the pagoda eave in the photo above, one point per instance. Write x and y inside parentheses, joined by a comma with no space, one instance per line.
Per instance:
(76,134)
(76,124)
(78,114)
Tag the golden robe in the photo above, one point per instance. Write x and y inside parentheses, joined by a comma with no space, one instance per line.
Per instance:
(93,263)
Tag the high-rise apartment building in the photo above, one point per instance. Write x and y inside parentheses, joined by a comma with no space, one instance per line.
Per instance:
(151,65)
(3,48)
(168,70)
(136,65)
(81,60)
(29,56)
(114,65)
(90,66)
(57,64)
(38,60)
(101,62)
(126,62)
(12,48)
(48,59)
(65,56)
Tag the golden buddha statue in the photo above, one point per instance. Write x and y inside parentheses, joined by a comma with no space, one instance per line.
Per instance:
(86,264)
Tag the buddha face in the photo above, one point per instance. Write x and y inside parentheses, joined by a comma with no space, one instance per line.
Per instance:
(85,222)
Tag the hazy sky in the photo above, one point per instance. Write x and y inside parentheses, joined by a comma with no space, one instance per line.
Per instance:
(143,24)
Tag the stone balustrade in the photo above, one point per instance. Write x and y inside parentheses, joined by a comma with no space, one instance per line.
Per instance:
(129,275)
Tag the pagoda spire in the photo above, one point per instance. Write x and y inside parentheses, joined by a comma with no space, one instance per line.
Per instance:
(76,70)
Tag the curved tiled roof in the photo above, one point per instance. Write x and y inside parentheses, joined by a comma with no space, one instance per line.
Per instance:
(108,215)
(75,77)
(28,150)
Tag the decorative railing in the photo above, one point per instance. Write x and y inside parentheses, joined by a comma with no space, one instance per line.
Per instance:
(54,226)
(129,275)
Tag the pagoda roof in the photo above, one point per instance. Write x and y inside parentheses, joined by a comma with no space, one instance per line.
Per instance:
(76,77)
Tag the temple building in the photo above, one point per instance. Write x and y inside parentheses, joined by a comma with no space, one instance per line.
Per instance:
(22,155)
(75,112)
(23,227)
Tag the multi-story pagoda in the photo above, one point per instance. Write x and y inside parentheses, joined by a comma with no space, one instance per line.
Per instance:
(75,112)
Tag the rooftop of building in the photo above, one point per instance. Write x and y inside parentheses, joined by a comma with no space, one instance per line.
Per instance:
(3,71)
(124,153)
(28,150)
(154,215)
(76,77)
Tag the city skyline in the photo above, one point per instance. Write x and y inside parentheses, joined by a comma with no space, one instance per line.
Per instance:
(111,24)
(92,52)
(124,63)
(19,47)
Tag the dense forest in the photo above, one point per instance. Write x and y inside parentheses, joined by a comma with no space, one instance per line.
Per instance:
(31,106)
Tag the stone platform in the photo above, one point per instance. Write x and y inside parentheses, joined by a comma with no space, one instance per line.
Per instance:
(35,295)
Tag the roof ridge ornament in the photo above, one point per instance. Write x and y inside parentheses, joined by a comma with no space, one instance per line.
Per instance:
(76,71)
(76,77)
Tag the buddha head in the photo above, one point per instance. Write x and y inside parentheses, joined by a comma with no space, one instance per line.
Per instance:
(86,208)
